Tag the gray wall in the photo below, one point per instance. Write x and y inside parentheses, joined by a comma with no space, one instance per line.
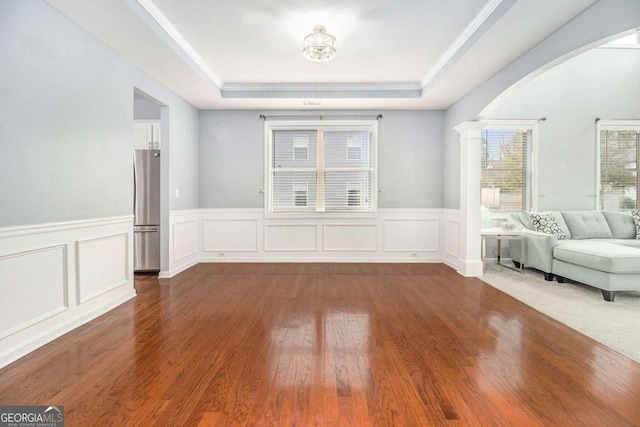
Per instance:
(144,109)
(410,152)
(66,117)
(231,159)
(65,120)
(590,28)
(66,134)
(183,136)
(601,83)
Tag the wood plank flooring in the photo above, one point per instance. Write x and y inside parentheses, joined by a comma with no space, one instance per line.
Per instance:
(326,345)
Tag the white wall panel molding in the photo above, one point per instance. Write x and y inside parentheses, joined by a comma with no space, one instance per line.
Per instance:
(452,237)
(411,235)
(350,237)
(290,237)
(184,241)
(230,235)
(247,235)
(56,277)
(102,264)
(19,310)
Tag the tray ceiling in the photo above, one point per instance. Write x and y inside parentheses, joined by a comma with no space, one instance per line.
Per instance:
(247,54)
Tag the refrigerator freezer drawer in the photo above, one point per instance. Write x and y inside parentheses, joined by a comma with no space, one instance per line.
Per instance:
(147,248)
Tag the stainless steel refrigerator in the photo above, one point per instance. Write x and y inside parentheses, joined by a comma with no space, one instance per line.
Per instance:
(146,206)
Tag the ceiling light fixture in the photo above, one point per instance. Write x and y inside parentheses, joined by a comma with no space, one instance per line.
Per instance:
(319,46)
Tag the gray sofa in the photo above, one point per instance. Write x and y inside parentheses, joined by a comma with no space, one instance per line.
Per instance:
(600,249)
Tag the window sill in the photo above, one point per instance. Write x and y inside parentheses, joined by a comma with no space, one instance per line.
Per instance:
(499,216)
(320,215)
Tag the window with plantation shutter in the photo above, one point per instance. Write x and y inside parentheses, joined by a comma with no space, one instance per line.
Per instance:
(317,167)
(507,183)
(619,151)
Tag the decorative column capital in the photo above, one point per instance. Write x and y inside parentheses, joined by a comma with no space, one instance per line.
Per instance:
(465,128)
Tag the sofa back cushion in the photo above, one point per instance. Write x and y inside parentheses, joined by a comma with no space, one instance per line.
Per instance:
(587,225)
(514,218)
(621,224)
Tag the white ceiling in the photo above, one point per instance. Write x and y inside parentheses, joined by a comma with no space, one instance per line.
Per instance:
(247,54)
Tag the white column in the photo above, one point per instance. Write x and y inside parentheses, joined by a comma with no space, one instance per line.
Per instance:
(470,264)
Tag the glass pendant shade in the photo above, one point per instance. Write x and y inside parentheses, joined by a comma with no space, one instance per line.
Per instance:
(319,46)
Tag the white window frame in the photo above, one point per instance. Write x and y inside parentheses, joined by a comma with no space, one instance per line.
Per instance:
(325,125)
(609,125)
(532,125)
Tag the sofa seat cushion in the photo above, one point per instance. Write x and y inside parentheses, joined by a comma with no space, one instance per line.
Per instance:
(632,243)
(600,256)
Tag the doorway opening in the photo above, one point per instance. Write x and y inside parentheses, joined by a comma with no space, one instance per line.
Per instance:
(147,149)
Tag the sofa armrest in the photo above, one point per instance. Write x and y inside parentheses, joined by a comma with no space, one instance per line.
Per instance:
(538,250)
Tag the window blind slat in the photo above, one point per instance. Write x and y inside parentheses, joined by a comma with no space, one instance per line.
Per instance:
(507,169)
(342,181)
(619,158)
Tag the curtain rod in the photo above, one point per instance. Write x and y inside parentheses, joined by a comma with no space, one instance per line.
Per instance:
(598,119)
(541,119)
(322,116)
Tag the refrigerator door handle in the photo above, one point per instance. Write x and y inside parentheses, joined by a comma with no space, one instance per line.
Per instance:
(135,185)
(150,230)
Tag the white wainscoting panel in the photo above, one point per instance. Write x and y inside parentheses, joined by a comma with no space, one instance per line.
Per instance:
(350,237)
(452,237)
(291,237)
(33,286)
(56,277)
(184,238)
(411,235)
(98,273)
(248,235)
(230,235)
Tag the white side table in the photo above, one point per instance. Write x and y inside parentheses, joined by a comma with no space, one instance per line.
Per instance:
(498,234)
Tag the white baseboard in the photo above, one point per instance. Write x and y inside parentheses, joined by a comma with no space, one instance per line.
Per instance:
(57,277)
(166,274)
(323,259)
(471,268)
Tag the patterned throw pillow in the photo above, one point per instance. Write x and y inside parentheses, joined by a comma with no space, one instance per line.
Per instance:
(547,223)
(635,214)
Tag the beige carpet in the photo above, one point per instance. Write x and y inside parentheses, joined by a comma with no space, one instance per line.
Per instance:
(581,307)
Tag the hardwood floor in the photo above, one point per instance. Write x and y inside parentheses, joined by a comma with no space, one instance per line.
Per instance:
(326,344)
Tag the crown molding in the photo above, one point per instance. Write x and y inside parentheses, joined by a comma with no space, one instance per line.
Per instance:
(276,87)
(319,90)
(152,9)
(466,39)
